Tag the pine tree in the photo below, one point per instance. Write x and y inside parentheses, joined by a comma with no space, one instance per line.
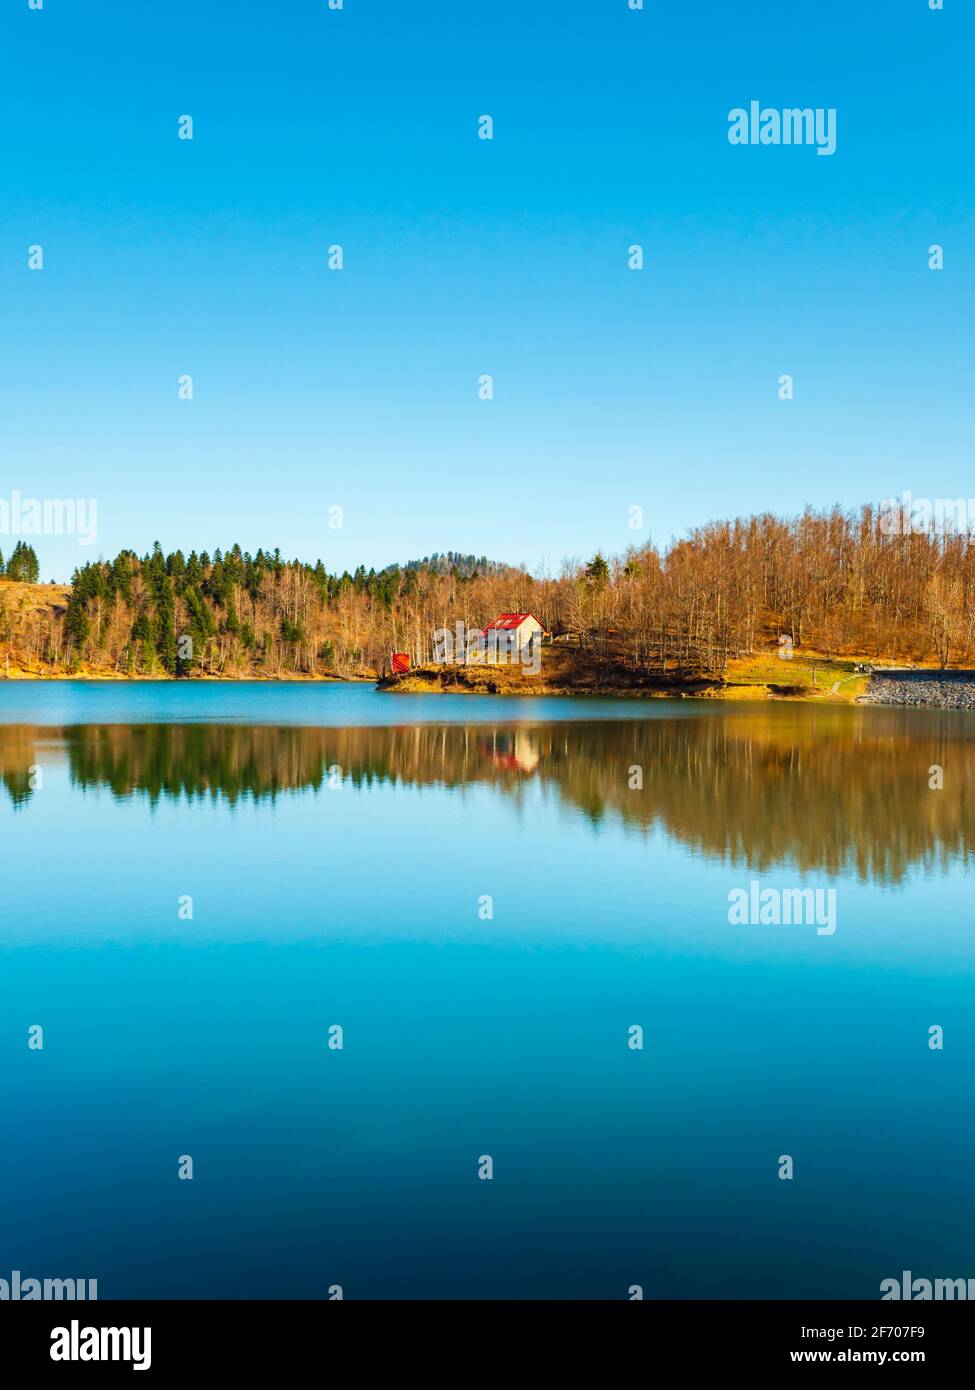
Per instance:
(143,632)
(23,564)
(166,626)
(77,627)
(597,571)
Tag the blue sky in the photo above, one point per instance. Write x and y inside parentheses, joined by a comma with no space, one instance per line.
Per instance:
(358,388)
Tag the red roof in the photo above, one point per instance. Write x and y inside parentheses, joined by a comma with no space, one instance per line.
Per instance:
(510,621)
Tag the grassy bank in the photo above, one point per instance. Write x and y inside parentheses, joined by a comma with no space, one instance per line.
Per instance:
(806,676)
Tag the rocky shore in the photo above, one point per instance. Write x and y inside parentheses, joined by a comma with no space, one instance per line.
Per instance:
(934,689)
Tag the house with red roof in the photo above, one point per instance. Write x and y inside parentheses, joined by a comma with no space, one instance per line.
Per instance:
(513,631)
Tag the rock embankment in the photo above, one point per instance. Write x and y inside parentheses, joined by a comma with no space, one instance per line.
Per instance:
(936,689)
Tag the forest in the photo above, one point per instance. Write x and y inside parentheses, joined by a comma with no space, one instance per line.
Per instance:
(833,581)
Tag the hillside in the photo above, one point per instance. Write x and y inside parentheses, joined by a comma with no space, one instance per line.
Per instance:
(30,616)
(840,584)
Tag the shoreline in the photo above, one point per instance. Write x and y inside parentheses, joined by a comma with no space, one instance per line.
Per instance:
(116,678)
(761,679)
(832,683)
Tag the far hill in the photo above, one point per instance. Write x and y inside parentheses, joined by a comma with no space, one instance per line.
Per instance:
(465,566)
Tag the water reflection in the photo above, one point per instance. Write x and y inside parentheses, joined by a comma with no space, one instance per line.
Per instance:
(835,790)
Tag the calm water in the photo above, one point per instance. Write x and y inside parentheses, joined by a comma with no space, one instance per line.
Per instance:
(337,844)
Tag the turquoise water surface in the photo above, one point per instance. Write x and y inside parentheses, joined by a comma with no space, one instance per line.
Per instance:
(339,847)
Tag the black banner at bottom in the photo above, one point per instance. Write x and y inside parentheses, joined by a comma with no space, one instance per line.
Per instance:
(168,1339)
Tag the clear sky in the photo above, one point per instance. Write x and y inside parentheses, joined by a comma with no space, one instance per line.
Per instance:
(358,387)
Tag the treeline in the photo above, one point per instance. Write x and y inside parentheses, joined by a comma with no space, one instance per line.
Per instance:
(22,564)
(833,580)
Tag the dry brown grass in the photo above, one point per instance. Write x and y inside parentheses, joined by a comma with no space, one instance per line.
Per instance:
(33,598)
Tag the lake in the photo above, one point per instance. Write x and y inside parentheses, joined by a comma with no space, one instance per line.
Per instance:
(489,898)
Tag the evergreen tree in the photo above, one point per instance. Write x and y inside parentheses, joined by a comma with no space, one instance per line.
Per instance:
(597,571)
(176,569)
(166,626)
(194,570)
(144,633)
(77,627)
(23,564)
(120,576)
(231,622)
(201,626)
